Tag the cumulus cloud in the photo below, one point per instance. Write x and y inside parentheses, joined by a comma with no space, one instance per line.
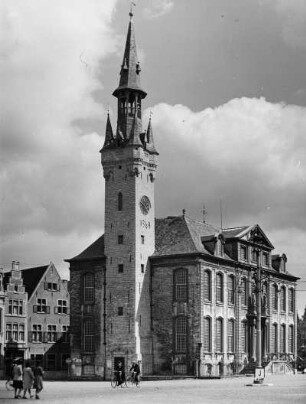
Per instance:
(51,53)
(158,8)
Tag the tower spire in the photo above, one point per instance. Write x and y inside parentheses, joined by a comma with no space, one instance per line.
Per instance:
(130,68)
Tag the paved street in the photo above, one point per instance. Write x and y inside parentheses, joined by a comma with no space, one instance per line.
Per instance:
(285,389)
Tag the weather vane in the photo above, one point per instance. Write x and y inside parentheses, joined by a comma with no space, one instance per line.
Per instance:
(131,8)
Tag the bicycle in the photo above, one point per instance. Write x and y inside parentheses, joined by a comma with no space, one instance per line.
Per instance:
(115,380)
(133,379)
(9,384)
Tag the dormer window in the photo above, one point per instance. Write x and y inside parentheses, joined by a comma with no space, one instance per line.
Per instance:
(254,256)
(265,259)
(243,253)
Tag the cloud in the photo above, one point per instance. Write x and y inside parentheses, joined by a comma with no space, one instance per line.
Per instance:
(51,176)
(293,13)
(158,8)
(248,152)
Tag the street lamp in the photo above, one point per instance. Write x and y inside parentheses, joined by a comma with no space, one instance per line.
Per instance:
(259,370)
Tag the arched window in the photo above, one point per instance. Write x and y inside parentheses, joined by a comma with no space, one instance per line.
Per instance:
(180,284)
(207,285)
(230,335)
(231,289)
(88,333)
(181,334)
(283,298)
(219,335)
(274,339)
(291,300)
(207,334)
(89,287)
(274,297)
(283,338)
(120,201)
(244,292)
(219,285)
(244,336)
(290,339)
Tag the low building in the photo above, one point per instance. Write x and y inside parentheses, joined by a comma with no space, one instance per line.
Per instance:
(2,328)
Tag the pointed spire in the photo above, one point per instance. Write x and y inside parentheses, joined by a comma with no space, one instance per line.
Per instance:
(109,136)
(130,68)
(149,138)
(135,135)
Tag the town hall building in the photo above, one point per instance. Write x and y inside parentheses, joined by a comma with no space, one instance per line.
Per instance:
(178,295)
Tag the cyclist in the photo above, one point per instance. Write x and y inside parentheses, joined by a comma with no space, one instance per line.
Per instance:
(120,373)
(135,371)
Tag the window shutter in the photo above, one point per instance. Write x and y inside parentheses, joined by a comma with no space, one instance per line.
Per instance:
(30,336)
(34,308)
(45,337)
(56,310)
(46,285)
(48,309)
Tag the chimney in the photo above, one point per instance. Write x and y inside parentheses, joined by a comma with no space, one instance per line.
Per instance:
(13,265)
(17,265)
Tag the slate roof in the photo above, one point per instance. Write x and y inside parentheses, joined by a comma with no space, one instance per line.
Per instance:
(94,251)
(181,235)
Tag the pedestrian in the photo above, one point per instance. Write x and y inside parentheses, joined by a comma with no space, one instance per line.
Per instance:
(17,377)
(28,379)
(38,379)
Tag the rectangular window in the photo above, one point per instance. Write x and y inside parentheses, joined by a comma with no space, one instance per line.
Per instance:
(274,339)
(290,339)
(8,332)
(142,268)
(181,334)
(62,307)
(255,256)
(207,334)
(142,239)
(120,239)
(120,311)
(37,333)
(243,253)
(291,300)
(283,338)
(52,286)
(219,336)
(51,335)
(15,307)
(41,306)
(265,259)
(230,336)
(244,294)
(180,284)
(120,268)
(15,332)
(21,333)
(89,287)
(244,336)
(89,333)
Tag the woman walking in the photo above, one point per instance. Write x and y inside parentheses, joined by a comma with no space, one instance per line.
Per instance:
(28,379)
(38,379)
(17,377)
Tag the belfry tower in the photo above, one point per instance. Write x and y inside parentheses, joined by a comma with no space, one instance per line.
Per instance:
(129,161)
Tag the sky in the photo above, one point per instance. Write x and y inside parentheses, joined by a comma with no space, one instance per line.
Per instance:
(227,91)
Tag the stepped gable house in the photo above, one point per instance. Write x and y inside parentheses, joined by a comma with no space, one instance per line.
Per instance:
(37,308)
(173,293)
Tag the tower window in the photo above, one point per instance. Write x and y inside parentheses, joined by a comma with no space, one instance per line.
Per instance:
(120,268)
(120,239)
(142,239)
(120,311)
(142,268)
(120,201)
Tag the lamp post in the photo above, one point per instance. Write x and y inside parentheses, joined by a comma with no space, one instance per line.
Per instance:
(259,370)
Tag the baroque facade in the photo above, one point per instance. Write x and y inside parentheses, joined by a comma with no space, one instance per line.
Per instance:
(176,294)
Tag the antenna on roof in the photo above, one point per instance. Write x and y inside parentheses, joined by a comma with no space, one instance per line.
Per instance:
(221,214)
(204,213)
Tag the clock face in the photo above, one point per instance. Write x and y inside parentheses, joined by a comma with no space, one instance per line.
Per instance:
(145,204)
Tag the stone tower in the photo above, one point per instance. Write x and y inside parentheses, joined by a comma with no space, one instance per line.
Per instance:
(129,161)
